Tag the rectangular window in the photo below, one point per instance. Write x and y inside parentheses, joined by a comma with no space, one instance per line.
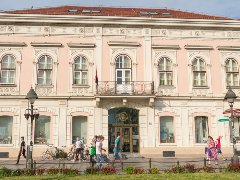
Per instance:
(79,128)
(6,123)
(201,129)
(166,129)
(42,130)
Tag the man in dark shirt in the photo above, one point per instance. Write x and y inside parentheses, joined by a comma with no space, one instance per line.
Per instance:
(22,150)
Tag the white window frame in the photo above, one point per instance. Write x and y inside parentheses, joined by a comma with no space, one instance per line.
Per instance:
(8,69)
(81,70)
(123,69)
(174,137)
(199,71)
(231,72)
(45,70)
(165,71)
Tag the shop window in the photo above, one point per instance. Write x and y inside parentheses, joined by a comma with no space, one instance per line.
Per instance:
(201,129)
(79,128)
(42,130)
(6,123)
(166,129)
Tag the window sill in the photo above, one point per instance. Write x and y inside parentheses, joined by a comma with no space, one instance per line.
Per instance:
(201,87)
(76,86)
(166,87)
(42,85)
(8,85)
(6,145)
(233,87)
(167,144)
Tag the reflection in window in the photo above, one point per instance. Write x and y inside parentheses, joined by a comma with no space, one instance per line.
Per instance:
(42,130)
(232,72)
(6,123)
(199,72)
(123,116)
(166,129)
(79,128)
(165,71)
(201,129)
(80,71)
(44,76)
(8,70)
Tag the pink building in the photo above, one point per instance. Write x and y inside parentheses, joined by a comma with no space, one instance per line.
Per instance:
(162,77)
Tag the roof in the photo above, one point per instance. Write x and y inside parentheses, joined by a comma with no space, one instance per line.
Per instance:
(113,11)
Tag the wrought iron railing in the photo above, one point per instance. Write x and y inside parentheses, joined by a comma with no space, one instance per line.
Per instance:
(125,88)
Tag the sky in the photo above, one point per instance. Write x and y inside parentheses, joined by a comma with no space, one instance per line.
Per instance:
(227,8)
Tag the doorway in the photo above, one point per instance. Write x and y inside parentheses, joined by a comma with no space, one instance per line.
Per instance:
(125,122)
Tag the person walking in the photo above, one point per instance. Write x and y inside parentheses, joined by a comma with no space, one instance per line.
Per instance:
(218,146)
(93,151)
(212,147)
(79,150)
(116,151)
(22,150)
(99,151)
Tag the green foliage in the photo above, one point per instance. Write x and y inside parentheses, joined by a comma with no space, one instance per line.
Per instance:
(208,169)
(17,172)
(138,170)
(28,172)
(129,170)
(153,170)
(5,172)
(91,170)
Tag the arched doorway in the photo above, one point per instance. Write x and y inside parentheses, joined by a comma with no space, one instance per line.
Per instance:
(126,122)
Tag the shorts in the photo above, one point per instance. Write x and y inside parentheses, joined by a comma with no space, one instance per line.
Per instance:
(219,151)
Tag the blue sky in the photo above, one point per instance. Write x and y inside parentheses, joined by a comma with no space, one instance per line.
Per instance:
(228,8)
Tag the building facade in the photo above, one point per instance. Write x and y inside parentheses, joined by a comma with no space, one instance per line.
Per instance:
(157,76)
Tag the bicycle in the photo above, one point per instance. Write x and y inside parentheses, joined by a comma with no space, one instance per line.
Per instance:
(56,154)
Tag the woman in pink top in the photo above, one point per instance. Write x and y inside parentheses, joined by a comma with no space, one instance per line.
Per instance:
(212,147)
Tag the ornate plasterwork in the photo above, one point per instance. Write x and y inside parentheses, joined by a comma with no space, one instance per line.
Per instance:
(172,55)
(9,110)
(88,53)
(89,110)
(201,92)
(118,31)
(113,104)
(53,53)
(131,52)
(17,53)
(50,110)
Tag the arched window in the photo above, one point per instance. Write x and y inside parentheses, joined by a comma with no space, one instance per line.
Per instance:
(8,69)
(44,68)
(80,71)
(123,69)
(232,72)
(201,129)
(199,72)
(165,71)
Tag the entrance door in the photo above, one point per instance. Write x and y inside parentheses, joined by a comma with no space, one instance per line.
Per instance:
(129,141)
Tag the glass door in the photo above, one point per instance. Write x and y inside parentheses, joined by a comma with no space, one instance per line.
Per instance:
(126,139)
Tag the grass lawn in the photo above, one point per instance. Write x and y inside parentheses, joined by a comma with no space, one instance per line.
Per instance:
(193,176)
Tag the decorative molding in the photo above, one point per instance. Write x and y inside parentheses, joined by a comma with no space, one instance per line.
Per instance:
(81,45)
(165,46)
(122,43)
(45,44)
(44,90)
(13,44)
(89,110)
(198,47)
(229,48)
(10,90)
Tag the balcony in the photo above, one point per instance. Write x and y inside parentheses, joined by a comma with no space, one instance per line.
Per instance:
(114,88)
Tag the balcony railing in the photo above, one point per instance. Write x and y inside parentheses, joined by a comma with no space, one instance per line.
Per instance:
(125,88)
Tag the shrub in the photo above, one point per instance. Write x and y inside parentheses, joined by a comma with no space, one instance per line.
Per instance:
(233,168)
(70,171)
(91,170)
(207,169)
(16,172)
(129,170)
(5,172)
(138,170)
(53,171)
(40,171)
(190,168)
(108,170)
(176,169)
(153,171)
(28,172)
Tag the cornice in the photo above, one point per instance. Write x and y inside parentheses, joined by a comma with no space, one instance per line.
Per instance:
(45,44)
(229,48)
(198,47)
(12,44)
(122,43)
(165,46)
(81,45)
(74,19)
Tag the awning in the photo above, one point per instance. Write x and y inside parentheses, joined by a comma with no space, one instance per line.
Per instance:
(236,112)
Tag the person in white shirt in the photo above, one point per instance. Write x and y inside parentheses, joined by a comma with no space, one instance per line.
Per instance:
(99,151)
(79,149)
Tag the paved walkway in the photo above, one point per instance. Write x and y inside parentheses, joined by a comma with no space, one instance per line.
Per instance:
(160,163)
